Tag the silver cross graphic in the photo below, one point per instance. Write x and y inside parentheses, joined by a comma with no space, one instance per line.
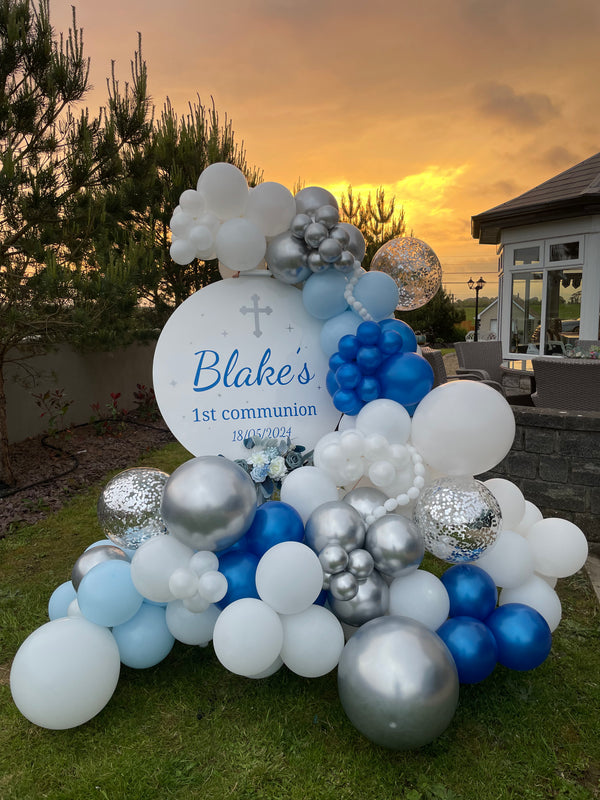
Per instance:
(256,311)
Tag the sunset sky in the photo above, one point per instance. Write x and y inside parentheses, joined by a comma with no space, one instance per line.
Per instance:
(454,106)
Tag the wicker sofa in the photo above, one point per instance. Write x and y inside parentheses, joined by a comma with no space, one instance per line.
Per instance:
(567,384)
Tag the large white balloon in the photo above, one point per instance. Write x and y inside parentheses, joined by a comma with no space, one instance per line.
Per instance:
(509,562)
(538,594)
(463,428)
(153,564)
(306,488)
(289,577)
(559,547)
(240,244)
(271,207)
(189,627)
(421,596)
(225,188)
(312,641)
(65,672)
(247,637)
(386,418)
(510,499)
(531,515)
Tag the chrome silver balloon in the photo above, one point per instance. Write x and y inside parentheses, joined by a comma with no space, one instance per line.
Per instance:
(370,601)
(287,258)
(209,503)
(334,522)
(343,586)
(356,241)
(360,564)
(129,506)
(328,215)
(342,235)
(333,558)
(365,499)
(309,199)
(316,263)
(398,683)
(299,224)
(330,250)
(396,545)
(315,233)
(458,518)
(92,557)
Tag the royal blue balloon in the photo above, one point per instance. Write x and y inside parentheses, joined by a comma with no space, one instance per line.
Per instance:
(347,401)
(406,332)
(368,389)
(322,598)
(390,342)
(331,383)
(347,348)
(106,594)
(60,600)
(323,294)
(472,645)
(336,361)
(144,640)
(368,333)
(348,376)
(369,358)
(523,636)
(239,567)
(405,378)
(471,591)
(274,522)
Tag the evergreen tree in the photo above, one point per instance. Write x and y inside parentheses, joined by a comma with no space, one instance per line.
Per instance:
(437,319)
(57,169)
(375,217)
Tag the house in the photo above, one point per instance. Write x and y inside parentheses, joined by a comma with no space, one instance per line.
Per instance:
(488,319)
(548,243)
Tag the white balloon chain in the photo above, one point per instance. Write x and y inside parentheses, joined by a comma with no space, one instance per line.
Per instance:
(355,304)
(404,498)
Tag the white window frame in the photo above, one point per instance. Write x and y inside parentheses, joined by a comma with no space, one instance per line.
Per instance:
(571,262)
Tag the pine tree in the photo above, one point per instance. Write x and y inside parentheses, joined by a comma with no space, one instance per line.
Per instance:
(375,217)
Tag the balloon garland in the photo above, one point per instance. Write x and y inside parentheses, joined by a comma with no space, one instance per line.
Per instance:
(328,572)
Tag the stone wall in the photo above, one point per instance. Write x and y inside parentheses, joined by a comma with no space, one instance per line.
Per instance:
(555,461)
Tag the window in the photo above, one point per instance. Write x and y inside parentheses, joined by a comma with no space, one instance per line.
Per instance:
(563,308)
(525,315)
(526,255)
(565,251)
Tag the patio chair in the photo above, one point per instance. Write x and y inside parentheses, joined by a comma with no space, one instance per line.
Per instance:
(567,384)
(440,376)
(481,358)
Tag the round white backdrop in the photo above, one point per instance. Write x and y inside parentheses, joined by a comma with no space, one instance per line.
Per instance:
(242,358)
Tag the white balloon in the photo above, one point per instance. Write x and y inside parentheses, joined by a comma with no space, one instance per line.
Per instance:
(271,207)
(421,596)
(312,641)
(463,428)
(183,582)
(266,673)
(240,245)
(225,188)
(531,515)
(248,636)
(509,562)
(192,202)
(73,609)
(538,594)
(65,672)
(189,627)
(212,585)
(510,498)
(559,547)
(387,418)
(154,562)
(289,577)
(203,561)
(182,251)
(202,238)
(181,223)
(306,488)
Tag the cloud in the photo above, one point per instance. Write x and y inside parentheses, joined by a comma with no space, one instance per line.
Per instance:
(500,101)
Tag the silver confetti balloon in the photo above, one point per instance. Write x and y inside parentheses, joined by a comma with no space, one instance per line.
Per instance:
(370,601)
(129,506)
(343,586)
(458,518)
(209,503)
(396,545)
(92,557)
(365,499)
(398,683)
(311,198)
(287,258)
(415,268)
(334,522)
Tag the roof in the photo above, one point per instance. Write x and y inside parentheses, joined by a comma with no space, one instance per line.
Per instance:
(573,193)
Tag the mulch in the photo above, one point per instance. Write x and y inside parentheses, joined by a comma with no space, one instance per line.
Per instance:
(49,471)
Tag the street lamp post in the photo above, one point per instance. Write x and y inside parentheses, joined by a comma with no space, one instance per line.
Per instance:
(478,287)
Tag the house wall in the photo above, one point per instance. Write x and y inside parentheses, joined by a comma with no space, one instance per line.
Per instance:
(82,378)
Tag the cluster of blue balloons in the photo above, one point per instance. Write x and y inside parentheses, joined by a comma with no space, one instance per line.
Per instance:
(480,635)
(380,360)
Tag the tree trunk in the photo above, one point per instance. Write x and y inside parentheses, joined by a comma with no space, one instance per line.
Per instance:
(6,473)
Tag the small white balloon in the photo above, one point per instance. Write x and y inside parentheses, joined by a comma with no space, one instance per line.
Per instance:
(531,515)
(538,594)
(225,188)
(312,642)
(183,582)
(181,224)
(289,577)
(196,604)
(189,627)
(511,501)
(559,547)
(248,637)
(154,562)
(240,245)
(73,609)
(306,488)
(387,418)
(192,201)
(212,585)
(182,251)
(510,561)
(421,596)
(203,561)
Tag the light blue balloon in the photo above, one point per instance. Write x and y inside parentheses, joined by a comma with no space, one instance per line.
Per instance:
(323,294)
(106,594)
(378,293)
(60,600)
(336,327)
(144,640)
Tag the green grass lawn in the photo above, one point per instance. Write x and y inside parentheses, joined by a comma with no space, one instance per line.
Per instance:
(189,729)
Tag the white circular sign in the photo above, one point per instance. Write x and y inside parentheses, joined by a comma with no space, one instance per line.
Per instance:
(242,358)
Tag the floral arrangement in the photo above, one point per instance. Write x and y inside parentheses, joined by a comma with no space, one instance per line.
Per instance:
(269,462)
(587,351)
